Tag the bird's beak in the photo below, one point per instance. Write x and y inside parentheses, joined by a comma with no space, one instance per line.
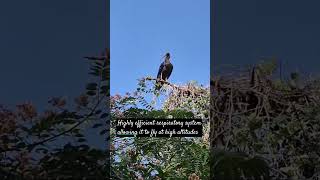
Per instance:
(162,57)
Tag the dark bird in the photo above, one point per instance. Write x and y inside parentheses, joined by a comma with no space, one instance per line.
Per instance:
(165,71)
(295,81)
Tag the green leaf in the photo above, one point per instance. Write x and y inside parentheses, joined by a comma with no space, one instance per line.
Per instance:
(21,145)
(104,89)
(91,86)
(79,135)
(104,115)
(98,111)
(82,140)
(41,149)
(97,125)
(91,93)
(103,131)
(68,121)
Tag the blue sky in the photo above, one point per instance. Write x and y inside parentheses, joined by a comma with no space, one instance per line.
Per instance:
(42,44)
(245,31)
(142,31)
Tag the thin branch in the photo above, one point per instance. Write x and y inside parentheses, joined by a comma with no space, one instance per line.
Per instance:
(163,81)
(31,146)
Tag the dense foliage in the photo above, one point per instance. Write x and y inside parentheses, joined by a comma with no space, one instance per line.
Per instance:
(56,144)
(261,126)
(260,114)
(161,158)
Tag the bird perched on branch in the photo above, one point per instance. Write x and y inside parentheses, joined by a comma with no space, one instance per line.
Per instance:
(165,71)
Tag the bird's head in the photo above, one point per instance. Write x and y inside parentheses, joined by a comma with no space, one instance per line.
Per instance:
(167,56)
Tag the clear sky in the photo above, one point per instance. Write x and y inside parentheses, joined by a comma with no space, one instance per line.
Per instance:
(42,44)
(246,30)
(142,31)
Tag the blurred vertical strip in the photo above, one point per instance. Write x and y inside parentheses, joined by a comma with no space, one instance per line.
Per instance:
(108,120)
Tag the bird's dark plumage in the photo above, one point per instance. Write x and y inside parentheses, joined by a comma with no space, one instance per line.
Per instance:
(165,70)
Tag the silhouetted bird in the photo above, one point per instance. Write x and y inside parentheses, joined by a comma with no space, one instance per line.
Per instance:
(165,71)
(295,81)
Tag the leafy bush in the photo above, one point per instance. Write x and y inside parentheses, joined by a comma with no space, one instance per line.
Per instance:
(262,115)
(55,144)
(161,158)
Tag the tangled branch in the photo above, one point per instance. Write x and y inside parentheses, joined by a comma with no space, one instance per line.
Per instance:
(249,108)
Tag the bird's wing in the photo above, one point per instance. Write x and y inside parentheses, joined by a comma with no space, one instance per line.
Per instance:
(170,68)
(160,70)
